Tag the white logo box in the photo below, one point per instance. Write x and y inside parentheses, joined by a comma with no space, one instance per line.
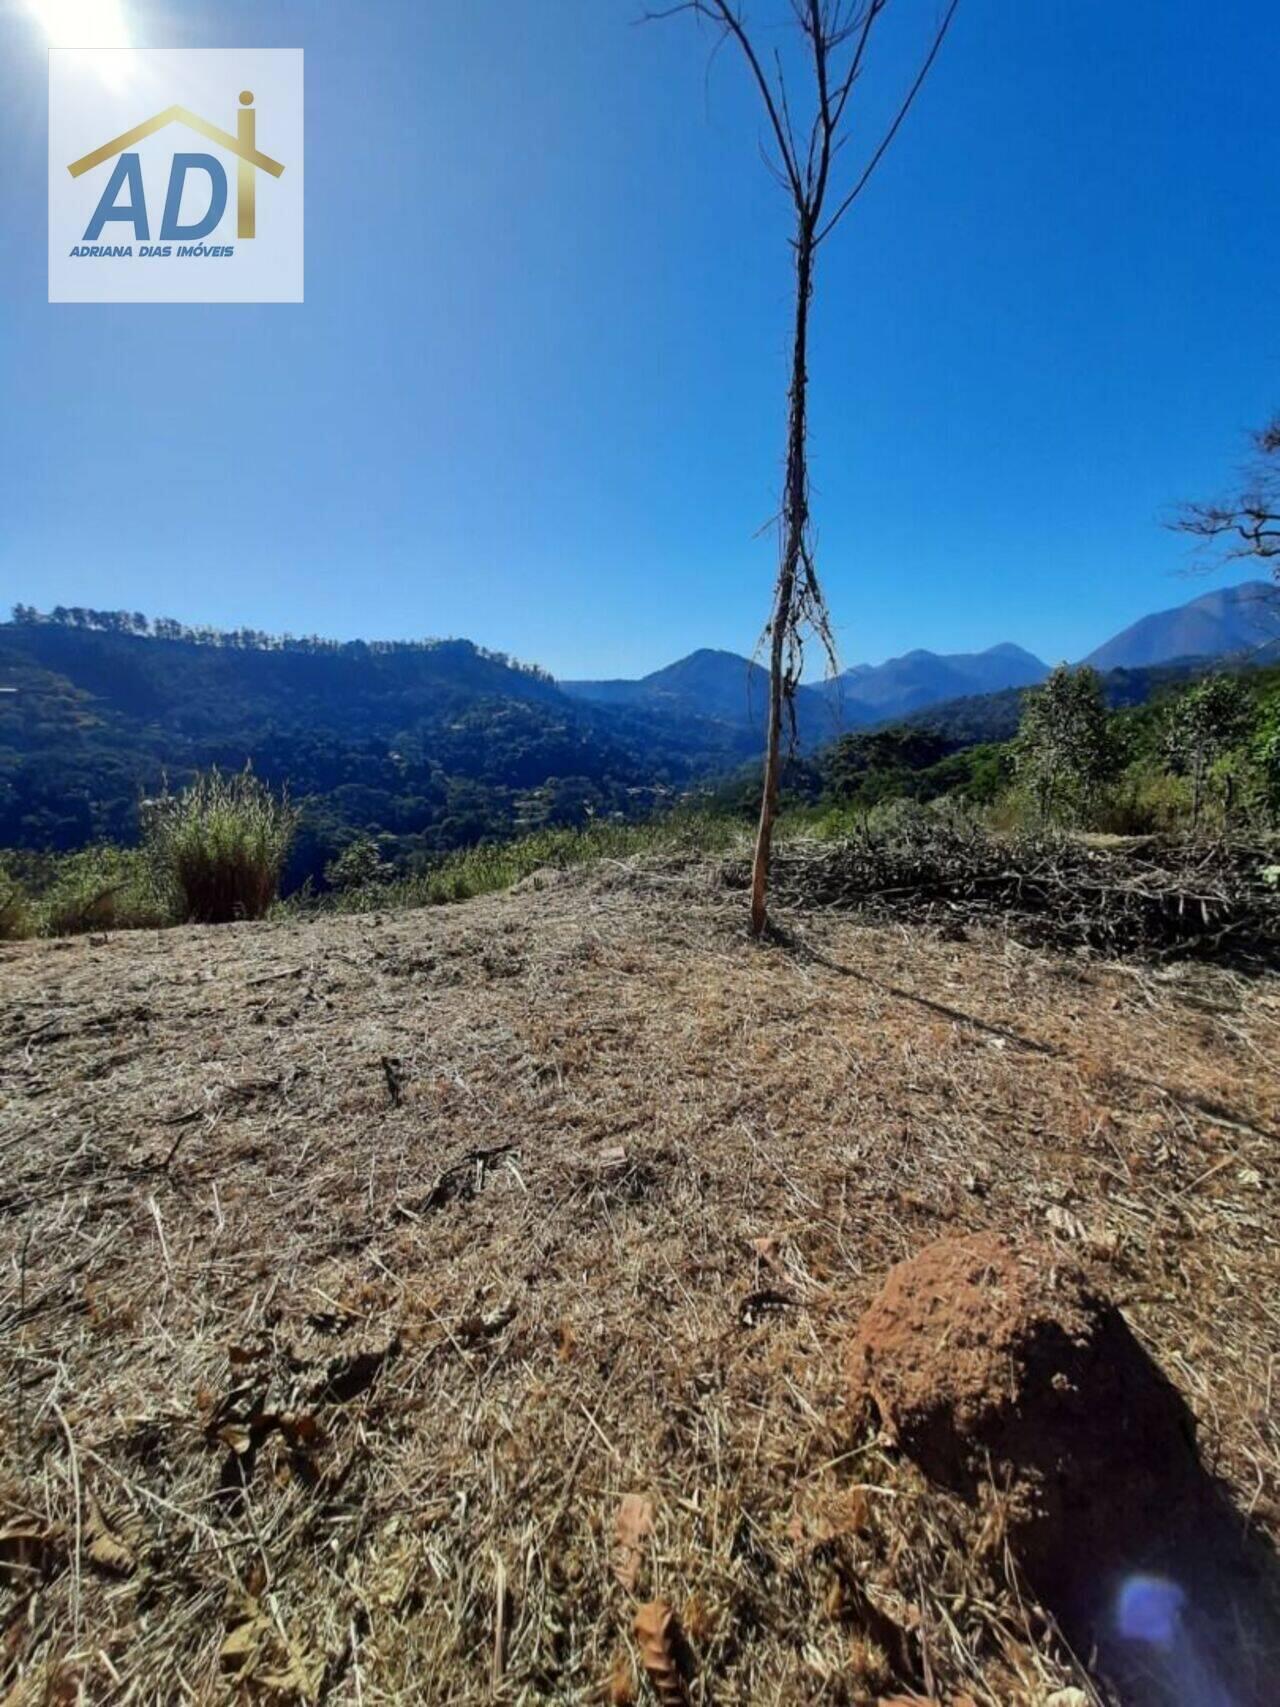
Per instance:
(118,148)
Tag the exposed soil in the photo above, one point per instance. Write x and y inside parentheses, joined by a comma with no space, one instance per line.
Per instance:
(1004,1373)
(355,1269)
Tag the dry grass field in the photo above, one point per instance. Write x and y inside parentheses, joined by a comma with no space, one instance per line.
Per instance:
(357,1270)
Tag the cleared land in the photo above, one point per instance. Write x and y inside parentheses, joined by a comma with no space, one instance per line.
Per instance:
(355,1270)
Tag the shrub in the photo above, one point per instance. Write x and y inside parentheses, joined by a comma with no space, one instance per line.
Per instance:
(1064,751)
(101,888)
(220,845)
(1201,727)
(1266,758)
(359,865)
(1143,801)
(15,909)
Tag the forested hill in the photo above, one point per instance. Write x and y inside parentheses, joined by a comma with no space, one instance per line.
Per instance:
(433,744)
(428,746)
(975,718)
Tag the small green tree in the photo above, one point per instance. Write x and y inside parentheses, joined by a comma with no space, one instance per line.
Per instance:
(1201,727)
(1064,752)
(360,865)
(1265,753)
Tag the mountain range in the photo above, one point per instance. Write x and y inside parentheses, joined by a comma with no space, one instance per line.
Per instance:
(727,687)
(436,745)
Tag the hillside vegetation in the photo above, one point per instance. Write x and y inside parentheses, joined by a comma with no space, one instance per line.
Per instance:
(1200,759)
(434,746)
(1147,759)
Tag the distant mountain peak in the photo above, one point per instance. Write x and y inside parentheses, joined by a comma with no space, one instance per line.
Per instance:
(921,678)
(1214,624)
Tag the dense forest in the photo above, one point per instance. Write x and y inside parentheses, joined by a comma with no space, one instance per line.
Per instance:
(429,746)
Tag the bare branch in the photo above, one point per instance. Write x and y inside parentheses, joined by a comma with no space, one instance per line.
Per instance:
(1249,521)
(873,11)
(893,129)
(721,12)
(786,111)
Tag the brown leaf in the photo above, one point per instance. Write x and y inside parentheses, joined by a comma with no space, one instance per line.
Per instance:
(242,1648)
(302,1431)
(104,1547)
(664,1652)
(253,1652)
(632,1527)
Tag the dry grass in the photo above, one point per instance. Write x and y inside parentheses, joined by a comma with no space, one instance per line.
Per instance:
(355,1270)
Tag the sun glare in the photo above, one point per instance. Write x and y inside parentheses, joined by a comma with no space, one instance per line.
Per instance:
(96,29)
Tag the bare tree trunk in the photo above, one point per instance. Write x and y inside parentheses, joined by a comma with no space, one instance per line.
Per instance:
(836,33)
(795,522)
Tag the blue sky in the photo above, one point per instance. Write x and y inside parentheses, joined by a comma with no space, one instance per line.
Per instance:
(536,392)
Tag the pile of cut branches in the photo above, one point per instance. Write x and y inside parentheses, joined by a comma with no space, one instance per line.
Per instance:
(1148,898)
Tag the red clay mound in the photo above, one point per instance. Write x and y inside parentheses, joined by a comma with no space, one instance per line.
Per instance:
(982,1358)
(995,1364)
(959,1334)
(988,1362)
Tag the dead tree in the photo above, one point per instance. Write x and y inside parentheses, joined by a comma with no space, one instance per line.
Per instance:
(837,35)
(1247,523)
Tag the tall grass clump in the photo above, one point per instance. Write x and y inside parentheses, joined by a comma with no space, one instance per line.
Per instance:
(220,845)
(15,909)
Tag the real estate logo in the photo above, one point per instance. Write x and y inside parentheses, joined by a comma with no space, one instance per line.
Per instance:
(142,214)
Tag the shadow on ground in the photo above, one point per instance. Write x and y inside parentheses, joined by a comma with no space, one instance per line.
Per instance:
(998,1367)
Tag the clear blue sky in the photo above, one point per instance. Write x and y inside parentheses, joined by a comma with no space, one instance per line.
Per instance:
(535,394)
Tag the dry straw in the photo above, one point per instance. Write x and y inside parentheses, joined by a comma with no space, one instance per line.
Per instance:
(356,1382)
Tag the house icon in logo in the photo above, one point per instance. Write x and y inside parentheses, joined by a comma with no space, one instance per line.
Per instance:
(243,145)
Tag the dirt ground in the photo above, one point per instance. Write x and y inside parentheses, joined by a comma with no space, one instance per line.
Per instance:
(355,1270)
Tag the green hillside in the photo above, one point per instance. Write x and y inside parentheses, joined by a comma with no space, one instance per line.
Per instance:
(431,746)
